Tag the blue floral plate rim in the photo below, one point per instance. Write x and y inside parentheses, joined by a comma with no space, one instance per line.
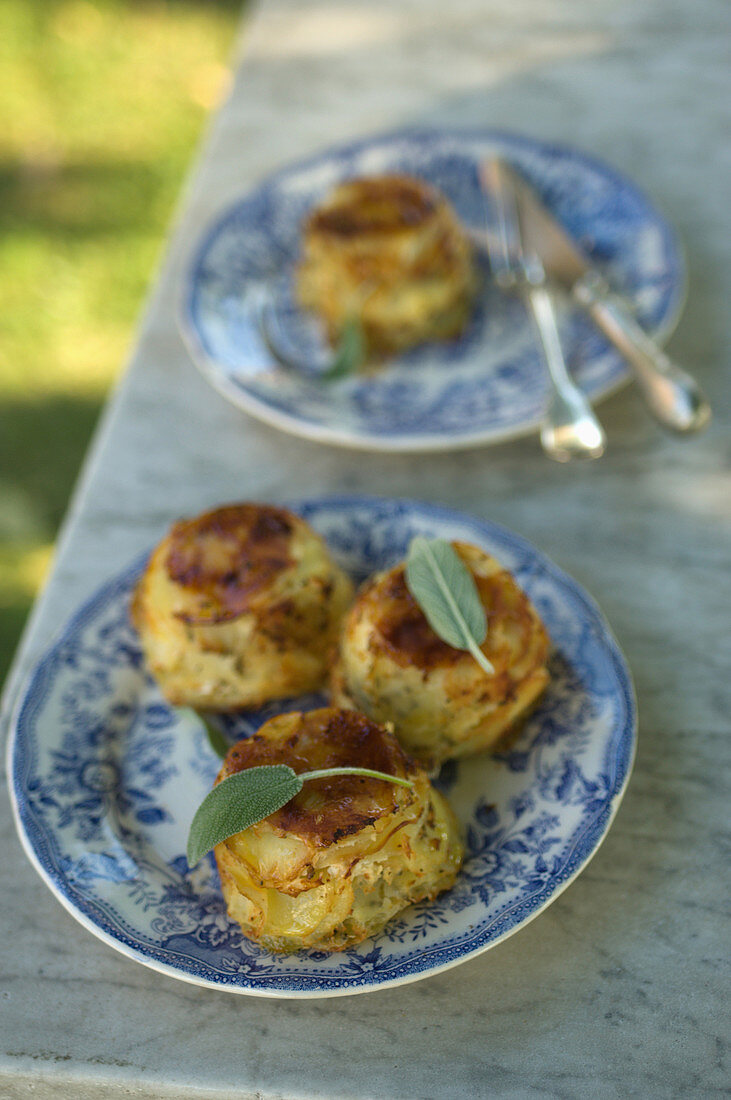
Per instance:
(371,967)
(364,433)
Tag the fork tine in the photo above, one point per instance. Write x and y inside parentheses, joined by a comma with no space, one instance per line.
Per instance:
(503,244)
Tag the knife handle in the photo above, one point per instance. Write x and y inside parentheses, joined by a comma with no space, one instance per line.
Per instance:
(673,397)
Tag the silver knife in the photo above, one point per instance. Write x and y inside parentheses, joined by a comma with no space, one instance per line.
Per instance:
(671,394)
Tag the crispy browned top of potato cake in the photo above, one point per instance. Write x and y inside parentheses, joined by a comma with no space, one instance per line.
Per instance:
(326,810)
(379,205)
(403,632)
(223,557)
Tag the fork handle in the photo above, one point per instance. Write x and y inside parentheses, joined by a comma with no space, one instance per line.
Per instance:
(672,396)
(570,429)
(544,319)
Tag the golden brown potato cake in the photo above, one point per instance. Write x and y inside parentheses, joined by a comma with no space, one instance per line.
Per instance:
(393,667)
(347,853)
(389,251)
(238,606)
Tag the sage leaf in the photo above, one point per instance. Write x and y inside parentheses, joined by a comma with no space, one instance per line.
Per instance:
(243,799)
(216,739)
(446,592)
(238,802)
(350,353)
(369,773)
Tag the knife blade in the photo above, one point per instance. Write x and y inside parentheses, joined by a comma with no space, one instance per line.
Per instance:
(671,394)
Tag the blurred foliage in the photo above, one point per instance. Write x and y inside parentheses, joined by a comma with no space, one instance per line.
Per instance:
(102,103)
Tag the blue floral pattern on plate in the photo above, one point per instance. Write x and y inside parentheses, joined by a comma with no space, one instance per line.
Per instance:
(105,779)
(488,385)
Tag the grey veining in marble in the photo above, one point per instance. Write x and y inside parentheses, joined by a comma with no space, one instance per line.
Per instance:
(619,989)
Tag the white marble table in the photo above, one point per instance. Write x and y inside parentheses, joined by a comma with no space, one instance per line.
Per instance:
(617,990)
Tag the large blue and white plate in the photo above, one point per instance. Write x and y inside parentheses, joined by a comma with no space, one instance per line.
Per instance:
(487,386)
(105,778)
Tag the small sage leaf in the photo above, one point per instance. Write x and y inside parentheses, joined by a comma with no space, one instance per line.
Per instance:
(445,590)
(216,739)
(350,353)
(238,802)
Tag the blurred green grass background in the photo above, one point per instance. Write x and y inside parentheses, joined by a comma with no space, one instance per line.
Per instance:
(102,103)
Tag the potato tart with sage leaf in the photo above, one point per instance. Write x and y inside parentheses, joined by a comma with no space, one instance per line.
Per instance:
(238,606)
(388,253)
(333,865)
(443,700)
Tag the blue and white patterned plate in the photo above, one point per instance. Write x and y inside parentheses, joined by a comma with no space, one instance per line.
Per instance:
(105,779)
(487,386)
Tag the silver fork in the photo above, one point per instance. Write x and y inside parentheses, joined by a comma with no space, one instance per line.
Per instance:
(570,429)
